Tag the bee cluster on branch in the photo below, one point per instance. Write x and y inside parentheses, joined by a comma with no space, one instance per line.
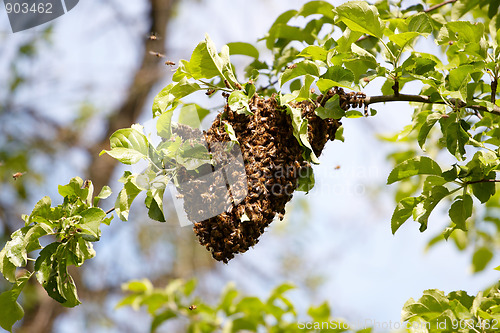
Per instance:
(273,161)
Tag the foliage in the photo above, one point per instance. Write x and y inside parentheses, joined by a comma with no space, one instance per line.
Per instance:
(232,313)
(73,225)
(456,116)
(455,312)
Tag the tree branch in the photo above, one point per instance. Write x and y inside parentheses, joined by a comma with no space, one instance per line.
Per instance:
(439,5)
(484,181)
(426,99)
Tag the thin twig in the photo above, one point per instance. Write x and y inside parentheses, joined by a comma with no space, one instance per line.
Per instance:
(439,5)
(426,99)
(110,210)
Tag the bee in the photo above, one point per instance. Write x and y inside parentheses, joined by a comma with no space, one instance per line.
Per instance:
(157,54)
(17,175)
(292,66)
(281,216)
(337,167)
(210,92)
(192,307)
(179,196)
(238,86)
(169,63)
(152,36)
(226,82)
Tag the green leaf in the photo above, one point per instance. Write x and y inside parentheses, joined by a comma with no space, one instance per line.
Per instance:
(154,203)
(73,188)
(317,7)
(90,223)
(419,165)
(403,211)
(164,125)
(484,190)
(192,115)
(200,66)
(305,90)
(353,114)
(104,194)
(169,97)
(362,17)
(42,208)
(460,211)
(432,118)
(221,62)
(243,49)
(11,310)
(403,38)
(420,23)
(314,52)
(430,305)
(482,256)
(320,313)
(306,179)
(460,76)
(7,268)
(230,131)
(341,76)
(301,68)
(424,209)
(456,138)
(461,7)
(300,130)
(159,319)
(128,146)
(126,197)
(331,109)
(226,300)
(324,85)
(238,102)
(274,30)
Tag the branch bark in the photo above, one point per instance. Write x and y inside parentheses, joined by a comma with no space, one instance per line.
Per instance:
(426,99)
(101,167)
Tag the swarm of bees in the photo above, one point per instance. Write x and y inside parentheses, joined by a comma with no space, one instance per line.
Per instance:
(273,160)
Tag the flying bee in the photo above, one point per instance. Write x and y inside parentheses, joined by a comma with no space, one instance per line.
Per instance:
(169,63)
(17,175)
(210,92)
(192,307)
(179,196)
(337,167)
(157,54)
(153,36)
